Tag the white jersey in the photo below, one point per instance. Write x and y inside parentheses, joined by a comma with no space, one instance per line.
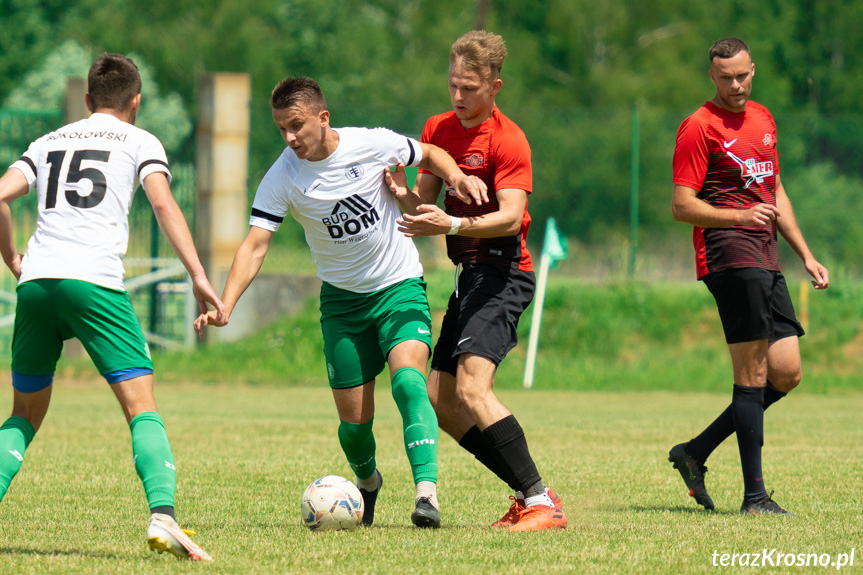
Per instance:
(347,212)
(86,174)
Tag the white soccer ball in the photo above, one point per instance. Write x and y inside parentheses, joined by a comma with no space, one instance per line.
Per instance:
(332,503)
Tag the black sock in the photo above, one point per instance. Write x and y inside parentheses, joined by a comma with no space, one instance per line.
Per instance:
(702,446)
(747,409)
(772,395)
(507,440)
(165,509)
(476,444)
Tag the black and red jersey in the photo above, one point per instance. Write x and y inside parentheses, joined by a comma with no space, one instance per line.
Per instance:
(497,152)
(730,159)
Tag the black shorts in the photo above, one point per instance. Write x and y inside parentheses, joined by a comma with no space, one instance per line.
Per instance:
(482,315)
(753,304)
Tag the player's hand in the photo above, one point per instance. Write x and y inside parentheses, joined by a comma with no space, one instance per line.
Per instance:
(429,221)
(397,181)
(819,272)
(209,318)
(15,266)
(470,190)
(205,294)
(761,215)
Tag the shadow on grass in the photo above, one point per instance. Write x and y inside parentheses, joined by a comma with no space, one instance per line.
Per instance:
(56,552)
(675,509)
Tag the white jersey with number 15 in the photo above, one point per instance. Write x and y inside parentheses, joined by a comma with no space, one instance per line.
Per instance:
(86,174)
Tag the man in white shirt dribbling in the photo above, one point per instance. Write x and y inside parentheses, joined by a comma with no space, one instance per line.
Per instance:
(374,310)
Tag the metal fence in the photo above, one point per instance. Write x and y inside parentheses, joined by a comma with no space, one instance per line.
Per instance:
(155,279)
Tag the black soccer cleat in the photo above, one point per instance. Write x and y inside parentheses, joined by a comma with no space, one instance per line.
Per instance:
(425,515)
(369,499)
(763,506)
(692,473)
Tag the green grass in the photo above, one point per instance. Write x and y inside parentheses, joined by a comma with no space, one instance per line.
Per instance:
(245,454)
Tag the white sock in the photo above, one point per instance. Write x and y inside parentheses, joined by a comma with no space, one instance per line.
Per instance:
(428,489)
(371,483)
(541,499)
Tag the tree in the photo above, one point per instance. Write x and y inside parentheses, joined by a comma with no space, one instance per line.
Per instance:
(45,87)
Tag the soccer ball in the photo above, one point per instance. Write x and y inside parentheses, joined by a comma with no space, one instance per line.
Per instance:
(332,503)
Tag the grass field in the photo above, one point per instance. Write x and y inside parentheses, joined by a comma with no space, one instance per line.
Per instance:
(245,454)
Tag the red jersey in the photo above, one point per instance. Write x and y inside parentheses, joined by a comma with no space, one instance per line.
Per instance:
(497,152)
(730,158)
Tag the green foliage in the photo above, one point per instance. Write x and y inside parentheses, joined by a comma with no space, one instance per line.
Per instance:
(45,88)
(164,116)
(576,69)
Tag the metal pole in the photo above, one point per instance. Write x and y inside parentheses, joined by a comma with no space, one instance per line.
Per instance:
(154,253)
(191,313)
(536,320)
(633,191)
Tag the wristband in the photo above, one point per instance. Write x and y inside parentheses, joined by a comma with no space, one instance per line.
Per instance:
(454,227)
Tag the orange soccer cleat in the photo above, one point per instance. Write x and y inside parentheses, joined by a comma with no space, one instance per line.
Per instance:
(539,517)
(511,516)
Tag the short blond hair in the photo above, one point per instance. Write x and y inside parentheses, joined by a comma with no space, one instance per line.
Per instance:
(479,51)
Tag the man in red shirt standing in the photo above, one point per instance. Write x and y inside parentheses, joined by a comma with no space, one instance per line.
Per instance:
(726,185)
(495,282)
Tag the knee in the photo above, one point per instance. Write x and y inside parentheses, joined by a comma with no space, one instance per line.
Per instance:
(354,433)
(785,382)
(470,396)
(409,386)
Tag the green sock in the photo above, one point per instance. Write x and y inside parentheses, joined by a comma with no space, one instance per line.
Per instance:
(419,422)
(15,435)
(358,443)
(154,461)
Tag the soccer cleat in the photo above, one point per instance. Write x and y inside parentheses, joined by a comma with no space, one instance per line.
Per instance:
(511,516)
(163,534)
(763,506)
(692,473)
(555,498)
(539,517)
(369,499)
(425,514)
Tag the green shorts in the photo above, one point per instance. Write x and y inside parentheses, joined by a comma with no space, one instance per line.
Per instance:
(50,311)
(361,329)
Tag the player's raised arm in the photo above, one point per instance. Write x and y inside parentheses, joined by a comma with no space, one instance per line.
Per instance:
(174,226)
(13,185)
(469,189)
(425,191)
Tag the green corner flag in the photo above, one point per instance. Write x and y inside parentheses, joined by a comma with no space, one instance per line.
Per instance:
(556,246)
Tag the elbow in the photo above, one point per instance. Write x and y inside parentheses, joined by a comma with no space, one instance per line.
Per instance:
(160,206)
(677,213)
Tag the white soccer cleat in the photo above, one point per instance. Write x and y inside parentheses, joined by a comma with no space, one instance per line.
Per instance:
(164,534)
